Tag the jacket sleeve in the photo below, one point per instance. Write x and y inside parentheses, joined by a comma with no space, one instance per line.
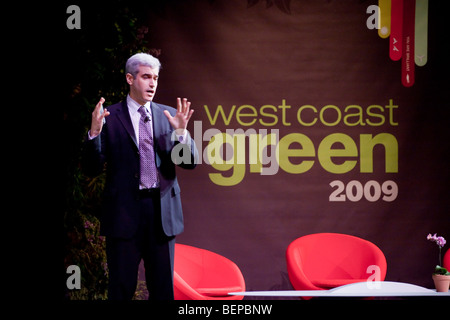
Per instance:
(185,155)
(93,156)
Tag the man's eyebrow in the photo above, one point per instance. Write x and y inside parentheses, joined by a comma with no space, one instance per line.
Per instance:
(150,75)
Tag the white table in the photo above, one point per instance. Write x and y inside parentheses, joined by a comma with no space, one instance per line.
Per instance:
(359,289)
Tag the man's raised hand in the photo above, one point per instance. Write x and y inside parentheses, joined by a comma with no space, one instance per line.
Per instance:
(97,118)
(181,119)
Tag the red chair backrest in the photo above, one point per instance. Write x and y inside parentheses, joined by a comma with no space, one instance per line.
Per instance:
(337,256)
(446,262)
(200,267)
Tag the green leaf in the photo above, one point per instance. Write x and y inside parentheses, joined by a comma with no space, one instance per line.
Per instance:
(441,270)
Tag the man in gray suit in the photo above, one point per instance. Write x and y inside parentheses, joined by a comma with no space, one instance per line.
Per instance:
(139,141)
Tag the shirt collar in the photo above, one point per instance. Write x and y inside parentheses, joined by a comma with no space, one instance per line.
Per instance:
(134,106)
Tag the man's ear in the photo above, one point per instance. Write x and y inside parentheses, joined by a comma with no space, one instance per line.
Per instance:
(130,78)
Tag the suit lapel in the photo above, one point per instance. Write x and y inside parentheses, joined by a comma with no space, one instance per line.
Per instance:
(156,114)
(157,129)
(124,117)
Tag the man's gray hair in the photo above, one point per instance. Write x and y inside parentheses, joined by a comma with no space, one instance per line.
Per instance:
(141,59)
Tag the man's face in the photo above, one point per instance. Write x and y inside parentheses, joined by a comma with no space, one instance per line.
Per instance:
(143,88)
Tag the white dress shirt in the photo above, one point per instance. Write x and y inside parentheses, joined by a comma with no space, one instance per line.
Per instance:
(135,116)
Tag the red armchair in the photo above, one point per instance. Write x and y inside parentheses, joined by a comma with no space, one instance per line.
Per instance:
(200,274)
(326,260)
(446,262)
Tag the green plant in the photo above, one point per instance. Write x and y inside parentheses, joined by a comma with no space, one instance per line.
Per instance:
(88,252)
(440,241)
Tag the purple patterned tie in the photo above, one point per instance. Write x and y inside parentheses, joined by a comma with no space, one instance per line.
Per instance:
(147,154)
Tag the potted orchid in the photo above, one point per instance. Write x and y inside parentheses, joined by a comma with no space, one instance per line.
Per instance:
(441,276)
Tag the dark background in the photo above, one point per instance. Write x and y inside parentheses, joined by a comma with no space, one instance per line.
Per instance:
(307,52)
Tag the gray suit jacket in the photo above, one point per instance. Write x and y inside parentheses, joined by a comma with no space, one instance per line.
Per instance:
(117,147)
